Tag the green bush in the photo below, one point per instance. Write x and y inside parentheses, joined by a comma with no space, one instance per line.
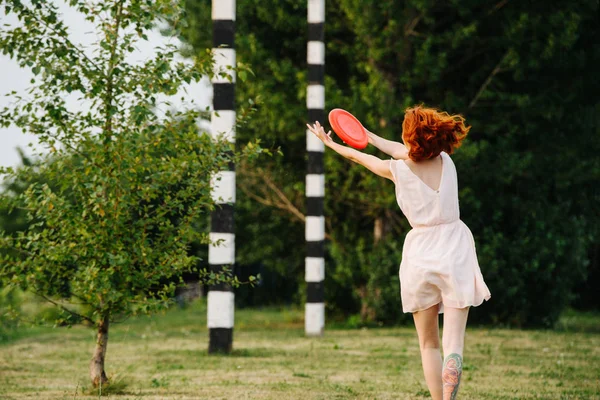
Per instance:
(383,284)
(365,279)
(532,269)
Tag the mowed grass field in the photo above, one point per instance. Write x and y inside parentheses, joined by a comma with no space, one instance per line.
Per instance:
(165,357)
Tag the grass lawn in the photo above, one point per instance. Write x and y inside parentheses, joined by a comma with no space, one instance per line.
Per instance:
(165,357)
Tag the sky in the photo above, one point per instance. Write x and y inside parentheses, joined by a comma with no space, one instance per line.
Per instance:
(12,77)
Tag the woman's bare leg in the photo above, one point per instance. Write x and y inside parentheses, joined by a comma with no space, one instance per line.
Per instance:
(455,324)
(426,322)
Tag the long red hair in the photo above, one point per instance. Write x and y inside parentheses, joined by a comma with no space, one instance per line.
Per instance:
(427,132)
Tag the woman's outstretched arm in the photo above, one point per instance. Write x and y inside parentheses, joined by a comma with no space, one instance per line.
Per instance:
(374,164)
(397,150)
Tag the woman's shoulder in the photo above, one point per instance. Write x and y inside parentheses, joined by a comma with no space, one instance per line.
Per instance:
(446,157)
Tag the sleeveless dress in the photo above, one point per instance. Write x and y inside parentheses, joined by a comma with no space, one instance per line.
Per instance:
(439,263)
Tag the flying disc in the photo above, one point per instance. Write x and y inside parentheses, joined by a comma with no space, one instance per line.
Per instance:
(348,128)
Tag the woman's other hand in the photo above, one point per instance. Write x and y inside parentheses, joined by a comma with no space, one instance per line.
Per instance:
(319,132)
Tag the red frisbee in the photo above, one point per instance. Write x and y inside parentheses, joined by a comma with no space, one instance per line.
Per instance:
(348,128)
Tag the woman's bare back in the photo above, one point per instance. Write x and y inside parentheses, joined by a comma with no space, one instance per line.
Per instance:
(428,171)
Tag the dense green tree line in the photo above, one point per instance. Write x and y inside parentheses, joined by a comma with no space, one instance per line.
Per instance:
(524,76)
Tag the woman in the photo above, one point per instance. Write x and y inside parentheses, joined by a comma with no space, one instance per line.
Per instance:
(439,272)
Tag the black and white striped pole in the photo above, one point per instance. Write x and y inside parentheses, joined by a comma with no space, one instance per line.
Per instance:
(314,317)
(221,251)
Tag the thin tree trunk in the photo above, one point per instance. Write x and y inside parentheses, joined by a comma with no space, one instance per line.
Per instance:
(378,229)
(97,374)
(367,313)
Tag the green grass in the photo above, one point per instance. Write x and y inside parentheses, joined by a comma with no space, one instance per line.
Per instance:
(165,357)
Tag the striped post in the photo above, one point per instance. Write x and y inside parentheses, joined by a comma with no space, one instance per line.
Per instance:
(314,319)
(221,251)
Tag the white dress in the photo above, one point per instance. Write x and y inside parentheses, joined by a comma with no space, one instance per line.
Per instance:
(439,262)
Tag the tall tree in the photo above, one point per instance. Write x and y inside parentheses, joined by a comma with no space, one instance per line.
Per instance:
(123,186)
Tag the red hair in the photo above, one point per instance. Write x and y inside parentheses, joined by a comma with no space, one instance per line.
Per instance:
(427,132)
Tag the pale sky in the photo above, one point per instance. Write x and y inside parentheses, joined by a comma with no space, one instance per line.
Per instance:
(12,77)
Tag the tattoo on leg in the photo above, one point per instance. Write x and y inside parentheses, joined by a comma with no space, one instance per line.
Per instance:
(451,374)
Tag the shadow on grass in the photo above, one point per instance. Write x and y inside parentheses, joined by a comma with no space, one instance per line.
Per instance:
(258,352)
(179,355)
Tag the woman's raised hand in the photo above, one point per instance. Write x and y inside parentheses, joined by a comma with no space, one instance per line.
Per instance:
(319,132)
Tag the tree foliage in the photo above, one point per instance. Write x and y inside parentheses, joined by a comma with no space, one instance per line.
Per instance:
(522,73)
(115,202)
